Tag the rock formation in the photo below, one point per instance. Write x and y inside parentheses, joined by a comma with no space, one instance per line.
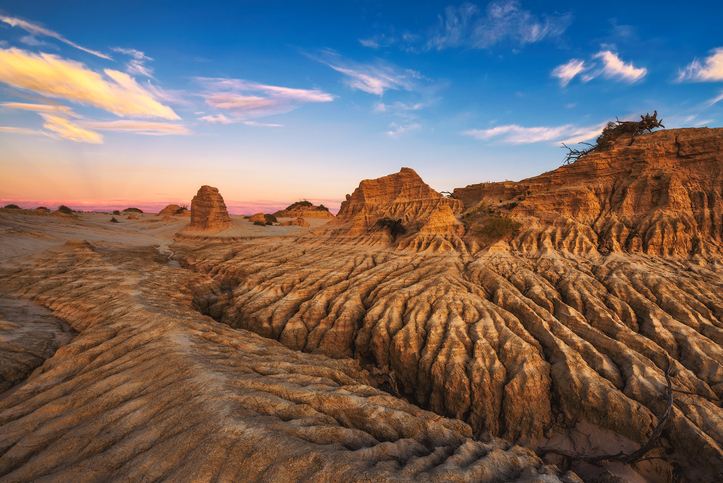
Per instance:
(208,211)
(304,209)
(258,217)
(402,196)
(296,222)
(559,338)
(174,210)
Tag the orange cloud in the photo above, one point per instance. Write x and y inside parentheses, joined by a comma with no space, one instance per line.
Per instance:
(53,76)
(39,108)
(71,131)
(140,127)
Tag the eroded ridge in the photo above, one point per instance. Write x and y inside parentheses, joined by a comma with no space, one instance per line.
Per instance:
(517,346)
(150,390)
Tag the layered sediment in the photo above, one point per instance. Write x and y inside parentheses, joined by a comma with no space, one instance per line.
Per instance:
(568,326)
(208,210)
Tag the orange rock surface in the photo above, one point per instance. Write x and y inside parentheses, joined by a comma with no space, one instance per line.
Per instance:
(296,222)
(208,211)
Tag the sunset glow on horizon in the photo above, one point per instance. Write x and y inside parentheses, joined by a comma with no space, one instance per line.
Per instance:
(104,106)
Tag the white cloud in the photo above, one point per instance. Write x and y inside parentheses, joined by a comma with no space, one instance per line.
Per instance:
(567,72)
(38,30)
(514,134)
(68,130)
(262,124)
(613,68)
(246,100)
(398,130)
(616,68)
(137,65)
(220,119)
(715,100)
(503,20)
(371,43)
(710,70)
(139,127)
(53,76)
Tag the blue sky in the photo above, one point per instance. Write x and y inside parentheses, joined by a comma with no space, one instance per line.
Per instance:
(142,102)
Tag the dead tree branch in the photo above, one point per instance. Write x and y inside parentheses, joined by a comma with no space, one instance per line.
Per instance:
(612,132)
(636,455)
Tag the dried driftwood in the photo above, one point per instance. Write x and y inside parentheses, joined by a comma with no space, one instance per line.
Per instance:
(612,132)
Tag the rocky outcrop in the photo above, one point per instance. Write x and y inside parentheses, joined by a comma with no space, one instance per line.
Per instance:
(258,217)
(402,196)
(659,196)
(208,211)
(152,390)
(174,210)
(304,209)
(296,222)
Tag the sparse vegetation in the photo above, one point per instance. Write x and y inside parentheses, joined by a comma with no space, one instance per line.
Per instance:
(116,212)
(303,204)
(259,223)
(322,207)
(13,207)
(113,220)
(132,210)
(612,132)
(395,227)
(181,210)
(42,208)
(65,209)
(496,228)
(270,219)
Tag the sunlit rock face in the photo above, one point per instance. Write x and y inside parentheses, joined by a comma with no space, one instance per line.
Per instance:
(402,196)
(152,390)
(567,326)
(208,211)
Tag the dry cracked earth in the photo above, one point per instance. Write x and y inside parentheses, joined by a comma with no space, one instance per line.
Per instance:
(348,352)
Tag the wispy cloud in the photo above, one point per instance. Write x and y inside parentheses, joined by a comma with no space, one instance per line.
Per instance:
(468,26)
(397,130)
(262,124)
(38,30)
(612,68)
(514,134)
(68,130)
(40,108)
(373,78)
(710,70)
(137,64)
(244,99)
(20,130)
(715,100)
(567,72)
(139,127)
(53,76)
(227,120)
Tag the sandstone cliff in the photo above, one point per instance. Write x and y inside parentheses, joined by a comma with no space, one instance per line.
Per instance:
(208,211)
(402,197)
(660,196)
(296,222)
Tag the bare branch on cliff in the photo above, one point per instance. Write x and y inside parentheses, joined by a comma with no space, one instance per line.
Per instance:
(612,132)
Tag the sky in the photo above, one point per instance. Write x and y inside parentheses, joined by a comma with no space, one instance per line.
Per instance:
(105,105)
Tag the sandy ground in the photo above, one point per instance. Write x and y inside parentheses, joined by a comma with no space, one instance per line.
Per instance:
(24,232)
